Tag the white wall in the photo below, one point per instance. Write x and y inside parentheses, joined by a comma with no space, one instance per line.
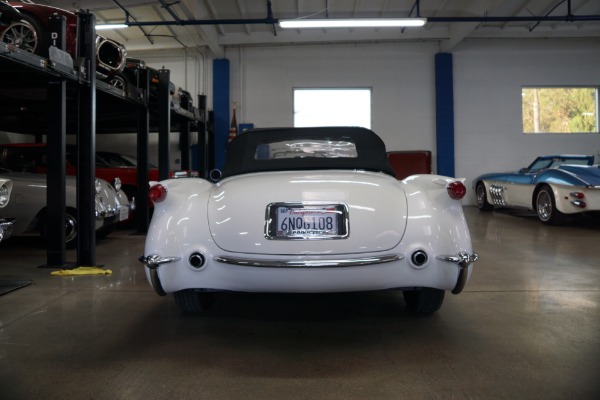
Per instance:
(400,76)
(488,76)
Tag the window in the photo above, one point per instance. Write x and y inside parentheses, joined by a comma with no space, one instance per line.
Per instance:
(332,107)
(308,148)
(560,109)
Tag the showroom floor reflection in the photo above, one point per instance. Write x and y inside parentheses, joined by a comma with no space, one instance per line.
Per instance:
(526,326)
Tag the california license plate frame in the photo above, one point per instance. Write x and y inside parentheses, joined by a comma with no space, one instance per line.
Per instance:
(306,221)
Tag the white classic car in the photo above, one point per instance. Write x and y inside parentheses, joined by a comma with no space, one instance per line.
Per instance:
(5,223)
(305,210)
(28,205)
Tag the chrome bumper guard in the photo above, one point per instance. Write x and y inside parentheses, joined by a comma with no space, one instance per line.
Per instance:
(153,261)
(6,226)
(105,211)
(463,260)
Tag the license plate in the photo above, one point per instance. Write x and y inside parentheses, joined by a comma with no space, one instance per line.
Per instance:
(306,221)
(123,213)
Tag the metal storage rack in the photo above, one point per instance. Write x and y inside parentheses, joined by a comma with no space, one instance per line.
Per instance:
(51,97)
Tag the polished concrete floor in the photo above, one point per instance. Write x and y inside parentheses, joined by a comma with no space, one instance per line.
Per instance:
(527,326)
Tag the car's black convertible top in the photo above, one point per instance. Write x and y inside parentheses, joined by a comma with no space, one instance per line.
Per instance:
(284,149)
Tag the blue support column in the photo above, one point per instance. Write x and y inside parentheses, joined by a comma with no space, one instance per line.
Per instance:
(444,114)
(221,109)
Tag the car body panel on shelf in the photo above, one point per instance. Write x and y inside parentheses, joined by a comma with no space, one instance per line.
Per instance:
(307,210)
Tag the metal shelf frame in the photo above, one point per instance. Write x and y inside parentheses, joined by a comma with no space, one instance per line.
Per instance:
(51,98)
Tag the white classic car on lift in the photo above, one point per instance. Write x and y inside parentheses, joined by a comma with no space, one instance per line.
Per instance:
(28,205)
(307,210)
(5,223)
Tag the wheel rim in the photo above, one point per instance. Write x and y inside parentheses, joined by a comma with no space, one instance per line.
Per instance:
(22,35)
(118,83)
(544,205)
(70,228)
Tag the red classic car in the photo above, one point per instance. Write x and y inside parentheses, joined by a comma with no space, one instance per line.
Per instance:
(25,25)
(110,166)
(32,157)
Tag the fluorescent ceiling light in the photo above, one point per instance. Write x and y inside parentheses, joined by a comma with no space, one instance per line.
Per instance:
(351,23)
(101,27)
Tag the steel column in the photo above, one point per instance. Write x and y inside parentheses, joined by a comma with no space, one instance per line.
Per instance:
(86,143)
(56,139)
(184,137)
(164,123)
(142,156)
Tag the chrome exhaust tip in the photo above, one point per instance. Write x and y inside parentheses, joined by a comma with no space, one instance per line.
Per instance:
(419,258)
(197,260)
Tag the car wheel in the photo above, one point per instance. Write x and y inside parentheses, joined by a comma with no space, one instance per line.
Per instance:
(119,82)
(545,206)
(424,301)
(482,202)
(71,228)
(192,301)
(28,35)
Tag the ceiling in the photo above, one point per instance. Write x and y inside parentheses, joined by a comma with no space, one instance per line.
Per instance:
(217,24)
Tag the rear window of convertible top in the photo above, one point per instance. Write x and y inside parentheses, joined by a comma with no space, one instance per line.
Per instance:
(306,148)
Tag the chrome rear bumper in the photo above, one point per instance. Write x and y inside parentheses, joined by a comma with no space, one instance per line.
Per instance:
(350,262)
(463,260)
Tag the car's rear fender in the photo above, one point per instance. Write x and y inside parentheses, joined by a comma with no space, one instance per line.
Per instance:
(569,199)
(171,228)
(434,216)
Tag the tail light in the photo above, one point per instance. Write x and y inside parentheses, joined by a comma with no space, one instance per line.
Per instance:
(456,190)
(577,199)
(157,193)
(577,195)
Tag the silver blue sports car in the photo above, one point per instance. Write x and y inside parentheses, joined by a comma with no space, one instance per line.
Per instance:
(552,186)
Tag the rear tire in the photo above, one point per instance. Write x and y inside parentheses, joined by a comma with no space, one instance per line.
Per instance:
(481,194)
(191,301)
(424,301)
(545,206)
(71,228)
